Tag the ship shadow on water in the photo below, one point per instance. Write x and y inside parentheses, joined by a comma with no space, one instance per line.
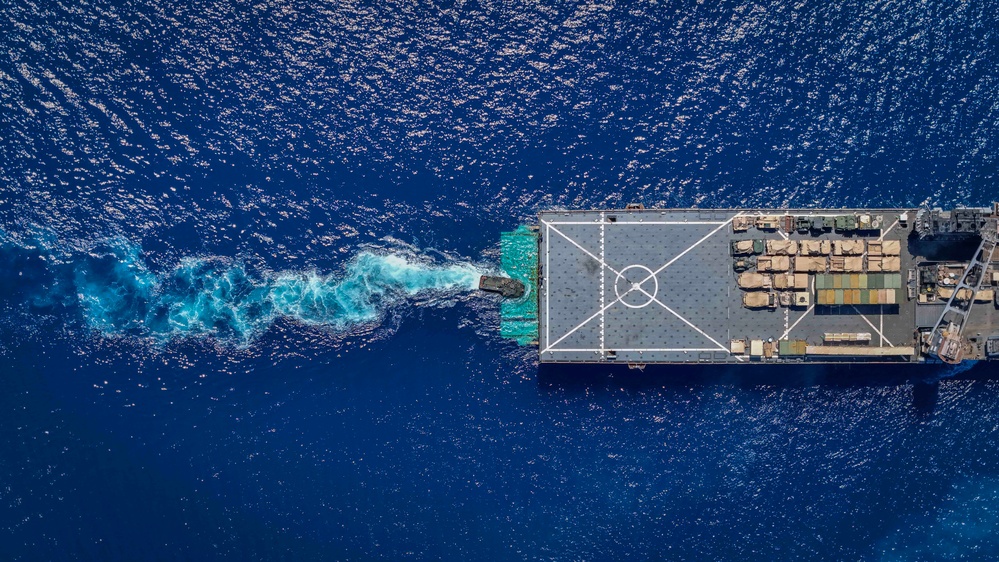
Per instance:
(596,378)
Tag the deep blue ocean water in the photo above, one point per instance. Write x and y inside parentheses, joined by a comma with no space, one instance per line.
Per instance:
(237,240)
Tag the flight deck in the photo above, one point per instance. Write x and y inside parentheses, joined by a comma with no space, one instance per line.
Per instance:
(642,286)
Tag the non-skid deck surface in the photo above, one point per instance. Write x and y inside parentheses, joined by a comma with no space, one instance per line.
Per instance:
(659,286)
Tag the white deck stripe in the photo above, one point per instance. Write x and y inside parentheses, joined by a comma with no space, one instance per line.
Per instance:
(811,290)
(713,340)
(650,350)
(770,212)
(551,345)
(698,330)
(560,223)
(800,318)
(585,251)
(572,331)
(873,327)
(673,312)
(548,281)
(886,231)
(692,246)
(602,263)
(603,300)
(682,319)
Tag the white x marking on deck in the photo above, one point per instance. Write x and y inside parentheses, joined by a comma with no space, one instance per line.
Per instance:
(550,346)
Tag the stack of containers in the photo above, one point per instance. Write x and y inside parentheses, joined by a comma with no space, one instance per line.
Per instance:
(834,289)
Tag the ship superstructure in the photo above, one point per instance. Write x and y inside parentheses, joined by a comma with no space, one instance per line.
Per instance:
(743,286)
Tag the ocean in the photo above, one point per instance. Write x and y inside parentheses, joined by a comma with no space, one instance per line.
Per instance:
(239,243)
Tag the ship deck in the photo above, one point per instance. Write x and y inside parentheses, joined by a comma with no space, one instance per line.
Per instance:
(658,286)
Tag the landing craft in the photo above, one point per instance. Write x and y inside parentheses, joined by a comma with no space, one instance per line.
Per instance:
(743,286)
(509,288)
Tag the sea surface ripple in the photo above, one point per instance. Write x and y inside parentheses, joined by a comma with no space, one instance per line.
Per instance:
(238,241)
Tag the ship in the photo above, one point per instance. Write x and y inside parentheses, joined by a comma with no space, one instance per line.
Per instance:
(644,286)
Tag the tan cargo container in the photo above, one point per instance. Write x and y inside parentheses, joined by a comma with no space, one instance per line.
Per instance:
(773,263)
(802,299)
(810,264)
(784,298)
(848,247)
(853,264)
(750,280)
(810,247)
(822,296)
(838,337)
(874,248)
(884,248)
(948,292)
(738,347)
(891,247)
(790,281)
(759,300)
(814,247)
(859,351)
(883,296)
(782,247)
(891,263)
(985,295)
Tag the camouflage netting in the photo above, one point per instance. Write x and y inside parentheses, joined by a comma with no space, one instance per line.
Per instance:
(519,317)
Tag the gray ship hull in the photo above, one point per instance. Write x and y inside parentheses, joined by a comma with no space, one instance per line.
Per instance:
(745,286)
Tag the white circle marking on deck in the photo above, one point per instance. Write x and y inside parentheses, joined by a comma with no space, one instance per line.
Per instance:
(637,286)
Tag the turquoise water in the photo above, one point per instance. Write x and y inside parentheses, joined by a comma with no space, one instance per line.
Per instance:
(519,260)
(118,295)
